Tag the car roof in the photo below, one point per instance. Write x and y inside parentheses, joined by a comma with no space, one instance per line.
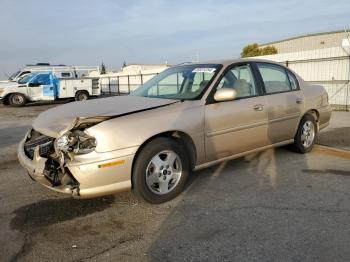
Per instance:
(226,62)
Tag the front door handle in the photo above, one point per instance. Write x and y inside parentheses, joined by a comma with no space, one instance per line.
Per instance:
(258,107)
(299,101)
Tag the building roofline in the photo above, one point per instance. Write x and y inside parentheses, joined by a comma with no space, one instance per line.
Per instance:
(347,30)
(147,64)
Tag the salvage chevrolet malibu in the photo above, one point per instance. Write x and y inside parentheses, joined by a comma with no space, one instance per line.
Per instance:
(188,117)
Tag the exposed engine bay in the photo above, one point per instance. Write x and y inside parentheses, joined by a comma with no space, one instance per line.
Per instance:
(57,151)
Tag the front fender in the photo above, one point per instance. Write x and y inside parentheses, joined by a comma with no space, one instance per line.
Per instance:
(134,129)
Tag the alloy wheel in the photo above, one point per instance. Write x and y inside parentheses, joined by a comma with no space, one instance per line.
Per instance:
(163,172)
(308,134)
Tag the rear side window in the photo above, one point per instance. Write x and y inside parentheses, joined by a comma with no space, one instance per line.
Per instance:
(274,77)
(293,81)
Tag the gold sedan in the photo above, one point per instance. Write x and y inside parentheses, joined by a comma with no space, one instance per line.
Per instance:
(186,118)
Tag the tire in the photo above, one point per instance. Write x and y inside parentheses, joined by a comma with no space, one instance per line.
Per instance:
(81,96)
(154,178)
(17,100)
(307,127)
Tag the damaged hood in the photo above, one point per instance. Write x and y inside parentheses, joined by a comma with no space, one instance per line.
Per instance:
(56,121)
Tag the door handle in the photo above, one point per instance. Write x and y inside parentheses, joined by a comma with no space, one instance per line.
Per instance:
(299,101)
(258,107)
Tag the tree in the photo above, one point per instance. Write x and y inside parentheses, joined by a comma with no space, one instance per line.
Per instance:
(255,50)
(268,50)
(250,50)
(124,64)
(103,69)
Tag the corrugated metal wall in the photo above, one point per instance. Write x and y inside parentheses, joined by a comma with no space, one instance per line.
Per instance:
(329,67)
(309,42)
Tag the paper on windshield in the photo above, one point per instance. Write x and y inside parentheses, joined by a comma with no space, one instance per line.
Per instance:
(204,70)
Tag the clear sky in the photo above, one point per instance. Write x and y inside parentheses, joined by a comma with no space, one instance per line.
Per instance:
(152,31)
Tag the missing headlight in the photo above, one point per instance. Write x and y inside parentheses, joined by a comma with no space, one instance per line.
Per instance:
(77,142)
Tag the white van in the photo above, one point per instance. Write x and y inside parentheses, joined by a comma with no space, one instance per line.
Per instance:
(60,71)
(45,86)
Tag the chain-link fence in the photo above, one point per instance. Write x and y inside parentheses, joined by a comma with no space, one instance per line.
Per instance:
(329,68)
(123,84)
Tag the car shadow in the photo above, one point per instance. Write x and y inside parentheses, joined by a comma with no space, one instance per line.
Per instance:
(262,207)
(52,211)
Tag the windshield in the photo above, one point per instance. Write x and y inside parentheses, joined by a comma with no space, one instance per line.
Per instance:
(13,76)
(185,82)
(25,79)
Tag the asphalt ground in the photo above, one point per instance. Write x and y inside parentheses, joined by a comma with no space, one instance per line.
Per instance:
(272,206)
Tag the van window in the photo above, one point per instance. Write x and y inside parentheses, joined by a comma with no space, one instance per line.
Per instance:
(65,74)
(25,79)
(274,77)
(42,79)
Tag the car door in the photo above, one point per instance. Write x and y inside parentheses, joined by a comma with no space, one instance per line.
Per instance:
(41,87)
(285,101)
(240,125)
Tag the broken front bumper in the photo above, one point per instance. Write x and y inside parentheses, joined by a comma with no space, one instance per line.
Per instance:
(36,169)
(98,174)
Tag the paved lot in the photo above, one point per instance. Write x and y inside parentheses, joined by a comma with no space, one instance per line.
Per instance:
(280,206)
(338,132)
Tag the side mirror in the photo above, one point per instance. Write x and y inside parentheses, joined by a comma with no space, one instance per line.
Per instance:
(225,94)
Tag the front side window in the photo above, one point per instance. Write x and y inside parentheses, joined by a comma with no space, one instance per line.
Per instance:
(241,79)
(274,77)
(185,82)
(42,80)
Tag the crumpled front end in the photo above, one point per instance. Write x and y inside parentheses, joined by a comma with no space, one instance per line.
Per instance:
(72,167)
(60,153)
(37,155)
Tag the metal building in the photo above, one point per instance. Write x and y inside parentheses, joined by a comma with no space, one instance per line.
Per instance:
(309,42)
(322,58)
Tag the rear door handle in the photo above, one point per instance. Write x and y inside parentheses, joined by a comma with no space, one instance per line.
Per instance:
(258,107)
(299,101)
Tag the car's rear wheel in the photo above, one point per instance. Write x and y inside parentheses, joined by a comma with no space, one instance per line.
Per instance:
(160,171)
(17,100)
(305,137)
(81,96)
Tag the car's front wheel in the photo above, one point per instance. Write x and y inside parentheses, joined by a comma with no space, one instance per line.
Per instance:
(17,100)
(160,171)
(305,137)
